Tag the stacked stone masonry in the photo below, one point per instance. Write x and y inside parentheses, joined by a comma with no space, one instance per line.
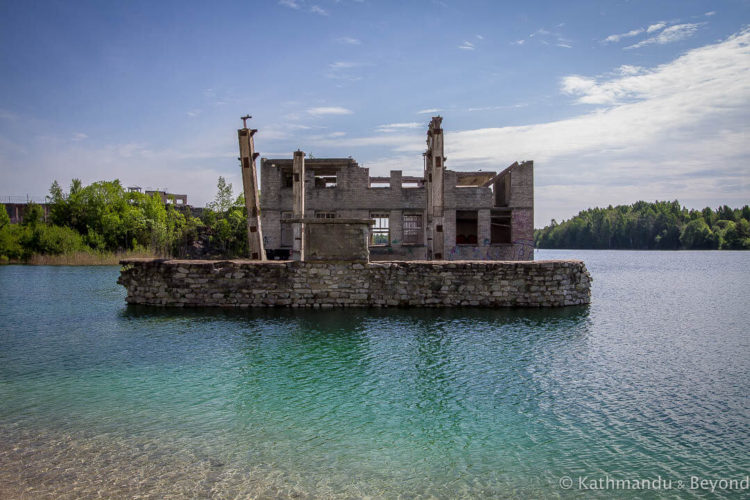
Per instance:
(191,283)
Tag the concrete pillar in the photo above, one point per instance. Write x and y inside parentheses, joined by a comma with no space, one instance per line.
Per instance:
(395,180)
(396,226)
(435,186)
(484,227)
(250,188)
(298,193)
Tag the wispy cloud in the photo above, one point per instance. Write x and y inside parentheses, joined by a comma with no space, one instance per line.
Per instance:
(316,9)
(329,110)
(655,27)
(79,136)
(540,31)
(466,46)
(343,65)
(480,37)
(292,4)
(343,70)
(396,127)
(629,70)
(347,40)
(547,37)
(299,5)
(709,14)
(492,108)
(427,111)
(617,37)
(669,35)
(519,42)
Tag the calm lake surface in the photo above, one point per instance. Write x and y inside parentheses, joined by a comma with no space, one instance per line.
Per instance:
(652,379)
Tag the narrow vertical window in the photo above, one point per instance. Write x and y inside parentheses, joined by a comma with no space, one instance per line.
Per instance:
(381,232)
(413,231)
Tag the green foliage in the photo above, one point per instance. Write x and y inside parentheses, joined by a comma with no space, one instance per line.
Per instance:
(51,240)
(227,231)
(111,219)
(103,217)
(645,226)
(4,218)
(21,241)
(223,201)
(10,242)
(33,214)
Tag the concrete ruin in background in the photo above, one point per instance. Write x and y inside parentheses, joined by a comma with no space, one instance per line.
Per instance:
(442,215)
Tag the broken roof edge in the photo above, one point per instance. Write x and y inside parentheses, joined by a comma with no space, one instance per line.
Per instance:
(505,171)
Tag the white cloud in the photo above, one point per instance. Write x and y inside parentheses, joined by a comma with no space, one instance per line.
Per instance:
(343,65)
(671,34)
(347,40)
(709,14)
(427,111)
(620,36)
(398,142)
(395,127)
(341,70)
(480,37)
(627,70)
(678,130)
(292,4)
(489,108)
(540,31)
(466,46)
(655,27)
(575,84)
(79,136)
(518,42)
(316,9)
(329,110)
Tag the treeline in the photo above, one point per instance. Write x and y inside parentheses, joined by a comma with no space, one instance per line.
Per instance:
(104,218)
(661,225)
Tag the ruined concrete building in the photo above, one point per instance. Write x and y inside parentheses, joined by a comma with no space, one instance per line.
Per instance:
(441,215)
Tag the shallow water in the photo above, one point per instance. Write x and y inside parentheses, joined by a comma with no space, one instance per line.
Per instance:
(650,380)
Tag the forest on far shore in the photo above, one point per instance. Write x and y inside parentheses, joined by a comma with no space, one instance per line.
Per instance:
(661,225)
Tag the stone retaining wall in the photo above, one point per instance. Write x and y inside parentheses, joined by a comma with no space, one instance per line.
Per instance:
(195,283)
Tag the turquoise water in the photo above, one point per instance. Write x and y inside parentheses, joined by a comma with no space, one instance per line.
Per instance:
(651,380)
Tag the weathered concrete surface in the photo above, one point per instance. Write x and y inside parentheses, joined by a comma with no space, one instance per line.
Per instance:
(192,283)
(336,239)
(422,212)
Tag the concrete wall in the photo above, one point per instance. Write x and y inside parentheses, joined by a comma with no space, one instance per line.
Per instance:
(190,283)
(337,239)
(354,198)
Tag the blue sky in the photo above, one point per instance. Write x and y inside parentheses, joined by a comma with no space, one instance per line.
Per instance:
(614,101)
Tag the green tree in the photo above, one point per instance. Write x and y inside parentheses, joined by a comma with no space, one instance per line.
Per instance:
(33,214)
(696,235)
(4,218)
(223,200)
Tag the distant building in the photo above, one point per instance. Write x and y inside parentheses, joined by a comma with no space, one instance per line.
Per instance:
(166,198)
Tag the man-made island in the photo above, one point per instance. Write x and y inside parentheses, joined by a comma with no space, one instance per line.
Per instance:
(238,283)
(448,241)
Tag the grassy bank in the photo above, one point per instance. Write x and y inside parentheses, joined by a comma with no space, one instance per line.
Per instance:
(80,259)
